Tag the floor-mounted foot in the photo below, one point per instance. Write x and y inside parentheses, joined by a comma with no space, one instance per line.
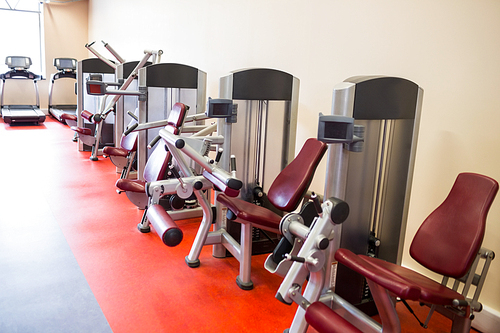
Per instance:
(244,285)
(192,263)
(143,229)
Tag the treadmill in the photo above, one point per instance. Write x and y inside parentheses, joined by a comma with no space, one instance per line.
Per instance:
(13,114)
(66,68)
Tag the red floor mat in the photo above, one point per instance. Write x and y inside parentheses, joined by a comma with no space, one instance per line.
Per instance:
(140,284)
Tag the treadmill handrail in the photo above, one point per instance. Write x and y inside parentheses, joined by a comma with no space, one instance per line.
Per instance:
(16,74)
(20,74)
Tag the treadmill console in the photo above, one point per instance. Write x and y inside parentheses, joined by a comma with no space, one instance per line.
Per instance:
(65,64)
(14,62)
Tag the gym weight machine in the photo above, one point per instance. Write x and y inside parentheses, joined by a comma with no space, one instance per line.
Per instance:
(96,86)
(186,183)
(317,253)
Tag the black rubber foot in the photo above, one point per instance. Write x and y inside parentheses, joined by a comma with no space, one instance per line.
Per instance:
(142,229)
(192,263)
(244,285)
(94,158)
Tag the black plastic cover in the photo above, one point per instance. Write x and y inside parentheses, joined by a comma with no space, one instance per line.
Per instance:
(384,98)
(262,84)
(172,76)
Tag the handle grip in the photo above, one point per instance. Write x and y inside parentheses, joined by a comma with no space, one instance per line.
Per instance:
(130,129)
(132,115)
(317,204)
(219,155)
(174,172)
(154,141)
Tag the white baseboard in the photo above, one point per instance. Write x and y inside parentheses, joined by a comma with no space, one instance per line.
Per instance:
(487,321)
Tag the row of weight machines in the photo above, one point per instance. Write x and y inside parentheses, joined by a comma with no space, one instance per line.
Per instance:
(346,243)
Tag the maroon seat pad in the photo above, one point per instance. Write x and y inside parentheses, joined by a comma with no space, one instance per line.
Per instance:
(325,320)
(431,291)
(259,216)
(115,151)
(389,280)
(82,130)
(132,185)
(68,116)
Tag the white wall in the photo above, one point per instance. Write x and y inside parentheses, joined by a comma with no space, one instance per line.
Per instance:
(448,47)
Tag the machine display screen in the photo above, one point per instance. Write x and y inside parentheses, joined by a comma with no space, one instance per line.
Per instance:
(219,108)
(18,62)
(65,64)
(335,129)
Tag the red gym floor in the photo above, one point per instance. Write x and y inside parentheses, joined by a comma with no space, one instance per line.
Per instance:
(72,260)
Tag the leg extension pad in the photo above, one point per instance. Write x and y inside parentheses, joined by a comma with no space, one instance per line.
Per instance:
(164,225)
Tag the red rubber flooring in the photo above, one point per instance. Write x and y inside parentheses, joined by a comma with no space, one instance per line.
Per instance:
(140,284)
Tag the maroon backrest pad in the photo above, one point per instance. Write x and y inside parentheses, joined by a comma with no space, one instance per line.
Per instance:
(447,242)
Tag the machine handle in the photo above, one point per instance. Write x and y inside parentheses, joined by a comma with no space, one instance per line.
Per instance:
(219,155)
(460,302)
(317,203)
(290,257)
(233,163)
(174,172)
(154,141)
(130,129)
(132,115)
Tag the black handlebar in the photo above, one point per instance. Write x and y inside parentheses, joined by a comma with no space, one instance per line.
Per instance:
(317,203)
(130,129)
(132,115)
(233,163)
(218,156)
(174,171)
(154,141)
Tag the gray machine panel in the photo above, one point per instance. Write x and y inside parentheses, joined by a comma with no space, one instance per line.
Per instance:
(263,138)
(167,84)
(91,103)
(125,103)
(379,178)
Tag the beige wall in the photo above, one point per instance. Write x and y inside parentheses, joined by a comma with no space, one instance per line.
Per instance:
(66,33)
(448,47)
